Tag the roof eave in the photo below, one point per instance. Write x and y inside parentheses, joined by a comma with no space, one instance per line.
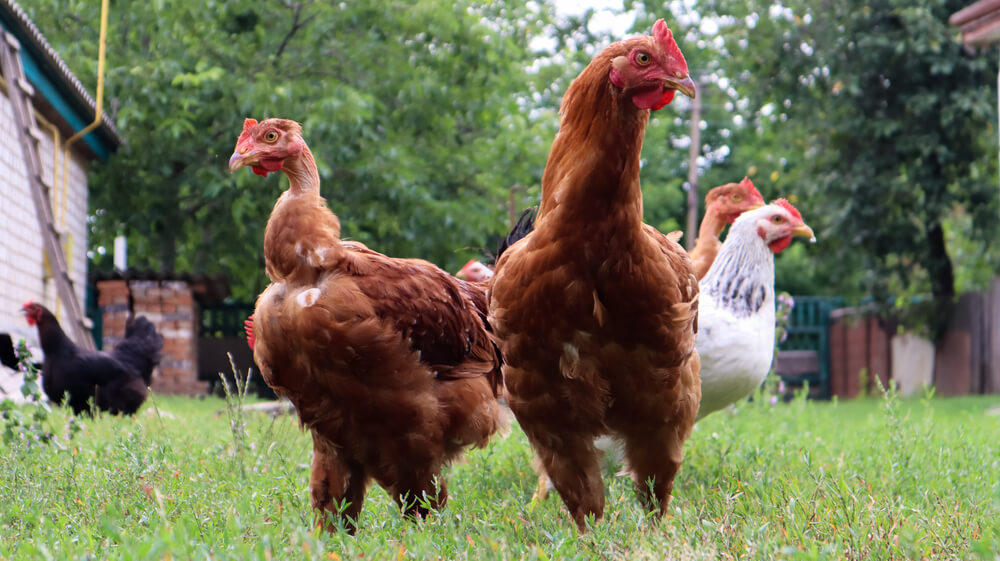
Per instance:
(50,75)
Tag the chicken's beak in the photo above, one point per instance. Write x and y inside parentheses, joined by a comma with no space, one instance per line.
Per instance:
(805,232)
(684,85)
(460,274)
(756,205)
(237,160)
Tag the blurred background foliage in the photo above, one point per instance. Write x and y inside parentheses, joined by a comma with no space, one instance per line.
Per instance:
(869,115)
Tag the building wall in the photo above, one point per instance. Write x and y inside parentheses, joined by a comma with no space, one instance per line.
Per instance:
(22,272)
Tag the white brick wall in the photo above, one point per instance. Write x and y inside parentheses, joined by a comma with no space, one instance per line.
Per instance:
(21,247)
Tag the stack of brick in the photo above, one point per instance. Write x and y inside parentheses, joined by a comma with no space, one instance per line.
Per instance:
(113,301)
(170,306)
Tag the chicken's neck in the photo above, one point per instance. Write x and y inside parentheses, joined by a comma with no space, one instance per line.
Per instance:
(303,176)
(302,236)
(742,277)
(53,339)
(712,225)
(592,174)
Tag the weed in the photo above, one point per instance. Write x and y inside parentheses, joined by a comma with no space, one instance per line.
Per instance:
(235,401)
(31,423)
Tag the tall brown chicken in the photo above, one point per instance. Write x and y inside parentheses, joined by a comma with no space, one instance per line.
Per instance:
(596,312)
(387,361)
(723,205)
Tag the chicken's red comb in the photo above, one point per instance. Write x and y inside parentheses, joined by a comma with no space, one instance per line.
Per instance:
(468,264)
(754,193)
(248,328)
(666,40)
(783,203)
(248,125)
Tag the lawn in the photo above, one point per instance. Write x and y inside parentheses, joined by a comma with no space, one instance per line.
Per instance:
(876,478)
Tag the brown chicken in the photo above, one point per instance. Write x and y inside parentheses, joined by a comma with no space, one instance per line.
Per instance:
(387,361)
(723,205)
(596,312)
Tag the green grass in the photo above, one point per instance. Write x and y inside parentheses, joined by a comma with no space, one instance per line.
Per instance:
(877,478)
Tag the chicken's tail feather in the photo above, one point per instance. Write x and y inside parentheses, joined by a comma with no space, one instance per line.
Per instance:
(524,225)
(141,347)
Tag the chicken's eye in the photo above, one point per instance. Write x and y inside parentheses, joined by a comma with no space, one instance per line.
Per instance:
(778,219)
(737,198)
(271,136)
(643,59)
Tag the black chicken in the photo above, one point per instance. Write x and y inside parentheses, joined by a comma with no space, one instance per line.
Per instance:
(117,381)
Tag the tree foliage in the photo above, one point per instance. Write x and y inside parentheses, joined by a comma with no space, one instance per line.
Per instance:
(869,115)
(417,114)
(882,125)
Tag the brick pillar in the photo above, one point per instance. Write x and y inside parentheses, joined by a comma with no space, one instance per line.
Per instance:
(112,299)
(178,325)
(170,306)
(146,303)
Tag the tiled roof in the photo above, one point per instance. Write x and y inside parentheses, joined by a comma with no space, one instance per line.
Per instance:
(56,64)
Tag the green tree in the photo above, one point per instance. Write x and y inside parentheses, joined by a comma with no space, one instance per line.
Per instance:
(418,113)
(877,119)
(905,137)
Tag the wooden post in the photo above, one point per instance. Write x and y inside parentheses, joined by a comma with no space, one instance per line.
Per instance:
(693,152)
(992,384)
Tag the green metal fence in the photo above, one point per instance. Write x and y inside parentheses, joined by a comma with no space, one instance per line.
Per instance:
(224,320)
(93,311)
(221,338)
(809,330)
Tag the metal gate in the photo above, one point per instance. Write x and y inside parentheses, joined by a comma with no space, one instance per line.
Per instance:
(804,357)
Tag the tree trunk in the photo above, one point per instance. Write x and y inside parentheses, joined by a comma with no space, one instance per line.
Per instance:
(170,220)
(942,276)
(168,248)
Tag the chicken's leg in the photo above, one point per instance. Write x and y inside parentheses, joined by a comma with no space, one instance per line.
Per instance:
(571,463)
(654,455)
(332,482)
(542,490)
(419,494)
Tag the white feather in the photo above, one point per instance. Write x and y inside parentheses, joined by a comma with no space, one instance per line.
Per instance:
(736,317)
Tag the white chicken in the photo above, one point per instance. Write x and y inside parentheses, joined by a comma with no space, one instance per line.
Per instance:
(736,315)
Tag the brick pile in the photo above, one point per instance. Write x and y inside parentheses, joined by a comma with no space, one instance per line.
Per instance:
(170,306)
